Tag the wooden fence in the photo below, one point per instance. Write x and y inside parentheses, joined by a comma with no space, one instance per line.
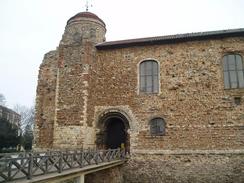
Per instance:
(28,165)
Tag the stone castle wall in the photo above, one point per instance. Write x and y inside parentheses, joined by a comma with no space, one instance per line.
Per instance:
(185,167)
(63,88)
(45,101)
(199,113)
(113,175)
(79,84)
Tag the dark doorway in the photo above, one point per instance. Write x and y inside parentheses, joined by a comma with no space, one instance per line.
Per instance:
(116,133)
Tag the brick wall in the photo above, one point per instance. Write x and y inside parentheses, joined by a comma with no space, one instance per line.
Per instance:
(45,101)
(199,113)
(179,167)
(79,84)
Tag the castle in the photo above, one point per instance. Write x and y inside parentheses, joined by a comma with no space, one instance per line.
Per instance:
(174,102)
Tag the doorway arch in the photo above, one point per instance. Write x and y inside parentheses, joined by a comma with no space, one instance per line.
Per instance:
(113,131)
(116,133)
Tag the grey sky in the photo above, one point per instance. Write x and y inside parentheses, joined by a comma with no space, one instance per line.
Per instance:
(30,28)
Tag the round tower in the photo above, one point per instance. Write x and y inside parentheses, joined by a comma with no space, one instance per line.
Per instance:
(75,76)
(84,27)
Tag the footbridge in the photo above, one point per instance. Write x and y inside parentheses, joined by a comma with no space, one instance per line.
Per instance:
(57,166)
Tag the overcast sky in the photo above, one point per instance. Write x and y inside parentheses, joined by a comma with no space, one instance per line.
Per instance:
(30,28)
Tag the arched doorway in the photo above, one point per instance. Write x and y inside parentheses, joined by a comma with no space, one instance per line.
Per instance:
(116,133)
(113,132)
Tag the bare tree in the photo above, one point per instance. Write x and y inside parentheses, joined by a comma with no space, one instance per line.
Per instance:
(27,116)
(2,100)
(26,124)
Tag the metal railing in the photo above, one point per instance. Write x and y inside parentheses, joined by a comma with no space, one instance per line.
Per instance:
(29,165)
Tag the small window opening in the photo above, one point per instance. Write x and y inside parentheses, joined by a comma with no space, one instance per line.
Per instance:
(237,100)
(157,127)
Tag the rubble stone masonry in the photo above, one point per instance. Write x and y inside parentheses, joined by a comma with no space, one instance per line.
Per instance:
(78,84)
(199,113)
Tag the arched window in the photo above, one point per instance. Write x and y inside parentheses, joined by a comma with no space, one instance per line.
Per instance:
(157,126)
(233,71)
(149,77)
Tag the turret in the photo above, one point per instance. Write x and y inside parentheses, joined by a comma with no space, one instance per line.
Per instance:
(65,82)
(84,27)
(77,54)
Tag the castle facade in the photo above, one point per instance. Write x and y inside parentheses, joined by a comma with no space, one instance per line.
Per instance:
(175,103)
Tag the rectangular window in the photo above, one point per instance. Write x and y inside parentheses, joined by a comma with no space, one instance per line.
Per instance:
(149,77)
(233,71)
(157,126)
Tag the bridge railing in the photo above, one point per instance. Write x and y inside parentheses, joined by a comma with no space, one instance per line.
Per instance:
(28,165)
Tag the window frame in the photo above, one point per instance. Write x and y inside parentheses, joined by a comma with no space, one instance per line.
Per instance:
(227,79)
(157,126)
(155,84)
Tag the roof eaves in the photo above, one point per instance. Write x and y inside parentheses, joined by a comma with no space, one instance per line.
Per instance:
(171,39)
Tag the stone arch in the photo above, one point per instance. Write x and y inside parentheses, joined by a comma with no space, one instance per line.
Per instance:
(113,126)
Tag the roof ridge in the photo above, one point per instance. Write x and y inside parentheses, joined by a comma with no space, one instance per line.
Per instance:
(171,38)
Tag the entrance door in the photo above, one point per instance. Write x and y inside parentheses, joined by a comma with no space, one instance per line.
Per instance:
(116,133)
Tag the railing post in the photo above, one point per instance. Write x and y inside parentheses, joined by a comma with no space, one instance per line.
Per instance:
(89,156)
(100,155)
(117,154)
(74,157)
(81,159)
(22,156)
(95,157)
(9,170)
(60,163)
(30,166)
(109,154)
(48,155)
